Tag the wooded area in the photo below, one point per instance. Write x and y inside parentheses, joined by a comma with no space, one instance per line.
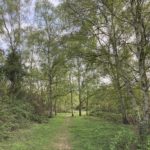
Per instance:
(90,56)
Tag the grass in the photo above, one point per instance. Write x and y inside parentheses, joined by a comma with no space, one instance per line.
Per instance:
(85,133)
(92,134)
(38,137)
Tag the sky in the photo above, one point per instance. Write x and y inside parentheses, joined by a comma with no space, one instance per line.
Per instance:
(55,2)
(30,19)
(31,11)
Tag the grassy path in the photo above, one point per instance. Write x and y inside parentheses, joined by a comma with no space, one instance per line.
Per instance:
(62,139)
(49,136)
(67,133)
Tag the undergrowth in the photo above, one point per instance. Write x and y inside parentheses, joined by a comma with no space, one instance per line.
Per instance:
(15,115)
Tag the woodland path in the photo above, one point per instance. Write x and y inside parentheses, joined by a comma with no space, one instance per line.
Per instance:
(70,133)
(53,135)
(62,139)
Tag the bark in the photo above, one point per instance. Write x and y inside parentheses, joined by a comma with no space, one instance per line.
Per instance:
(122,102)
(133,98)
(117,69)
(55,107)
(141,43)
(71,95)
(79,87)
(50,102)
(87,103)
(71,98)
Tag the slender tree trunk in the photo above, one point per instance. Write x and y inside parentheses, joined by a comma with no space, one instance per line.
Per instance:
(79,87)
(55,102)
(71,95)
(115,63)
(80,104)
(87,103)
(50,99)
(71,98)
(55,107)
(122,102)
(117,74)
(31,67)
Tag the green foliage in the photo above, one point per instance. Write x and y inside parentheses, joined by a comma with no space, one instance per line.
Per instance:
(94,134)
(39,119)
(15,115)
(14,71)
(123,140)
(91,40)
(37,137)
(112,117)
(85,134)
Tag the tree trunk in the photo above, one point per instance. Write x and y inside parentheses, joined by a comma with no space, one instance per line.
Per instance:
(50,115)
(87,103)
(71,98)
(79,87)
(115,64)
(117,77)
(122,103)
(80,104)
(71,95)
(141,42)
(55,107)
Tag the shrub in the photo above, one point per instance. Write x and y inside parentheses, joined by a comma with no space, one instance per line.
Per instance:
(123,140)
(15,115)
(108,116)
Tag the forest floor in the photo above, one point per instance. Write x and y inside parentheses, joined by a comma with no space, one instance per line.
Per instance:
(69,133)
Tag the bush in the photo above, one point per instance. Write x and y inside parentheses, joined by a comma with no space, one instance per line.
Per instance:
(123,140)
(108,116)
(39,119)
(15,115)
